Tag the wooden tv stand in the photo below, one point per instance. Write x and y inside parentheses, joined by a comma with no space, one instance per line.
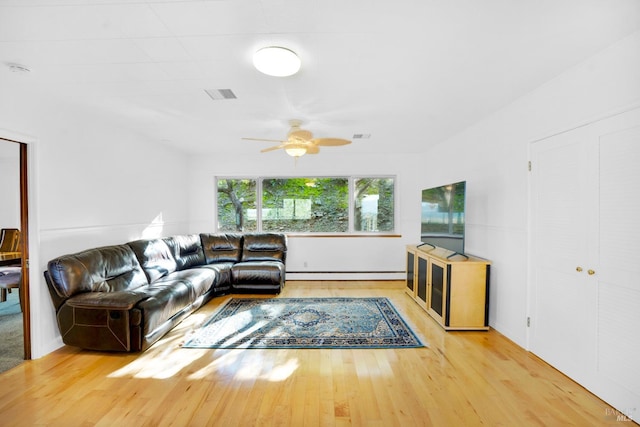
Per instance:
(453,289)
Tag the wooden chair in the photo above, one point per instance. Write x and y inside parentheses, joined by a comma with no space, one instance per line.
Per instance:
(9,240)
(10,246)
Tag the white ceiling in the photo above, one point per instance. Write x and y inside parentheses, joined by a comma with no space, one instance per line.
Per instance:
(410,73)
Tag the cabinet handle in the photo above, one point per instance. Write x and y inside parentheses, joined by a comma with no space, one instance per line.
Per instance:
(591,272)
(578,269)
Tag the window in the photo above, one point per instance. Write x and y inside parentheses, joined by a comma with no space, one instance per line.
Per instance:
(237,204)
(373,204)
(306,204)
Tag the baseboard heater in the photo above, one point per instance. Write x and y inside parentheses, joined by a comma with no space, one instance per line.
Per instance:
(346,275)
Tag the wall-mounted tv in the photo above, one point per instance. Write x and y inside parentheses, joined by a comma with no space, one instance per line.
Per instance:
(442,222)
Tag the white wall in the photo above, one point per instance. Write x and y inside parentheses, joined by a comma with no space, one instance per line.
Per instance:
(92,183)
(493,154)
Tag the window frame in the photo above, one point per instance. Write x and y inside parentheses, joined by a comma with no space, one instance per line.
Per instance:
(351,203)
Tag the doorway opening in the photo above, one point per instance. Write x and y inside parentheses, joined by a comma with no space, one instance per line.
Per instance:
(14,256)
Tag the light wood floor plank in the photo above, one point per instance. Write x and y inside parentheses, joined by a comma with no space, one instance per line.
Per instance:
(461,378)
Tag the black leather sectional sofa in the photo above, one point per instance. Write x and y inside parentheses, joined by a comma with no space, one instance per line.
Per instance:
(126,297)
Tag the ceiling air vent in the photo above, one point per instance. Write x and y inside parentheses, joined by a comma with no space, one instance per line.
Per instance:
(361,135)
(18,68)
(217,94)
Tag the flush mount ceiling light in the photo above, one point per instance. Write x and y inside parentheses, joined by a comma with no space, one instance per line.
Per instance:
(276,61)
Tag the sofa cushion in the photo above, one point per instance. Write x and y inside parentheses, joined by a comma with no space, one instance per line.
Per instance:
(164,300)
(258,276)
(264,247)
(199,280)
(223,274)
(155,257)
(187,250)
(104,269)
(222,247)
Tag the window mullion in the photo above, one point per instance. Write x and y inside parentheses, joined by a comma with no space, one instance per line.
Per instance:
(352,195)
(259,203)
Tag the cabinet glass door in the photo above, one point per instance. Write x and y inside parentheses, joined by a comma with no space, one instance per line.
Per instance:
(410,270)
(437,288)
(422,279)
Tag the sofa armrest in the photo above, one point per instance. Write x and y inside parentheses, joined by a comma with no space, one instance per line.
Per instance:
(123,300)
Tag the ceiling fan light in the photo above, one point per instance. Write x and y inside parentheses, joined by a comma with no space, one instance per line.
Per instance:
(276,61)
(296,150)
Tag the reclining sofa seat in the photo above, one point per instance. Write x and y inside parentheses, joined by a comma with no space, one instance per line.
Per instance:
(262,265)
(254,262)
(126,297)
(95,293)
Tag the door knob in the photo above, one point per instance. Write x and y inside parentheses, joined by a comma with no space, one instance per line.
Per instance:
(591,272)
(578,269)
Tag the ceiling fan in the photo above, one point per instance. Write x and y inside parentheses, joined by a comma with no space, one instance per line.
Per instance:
(300,141)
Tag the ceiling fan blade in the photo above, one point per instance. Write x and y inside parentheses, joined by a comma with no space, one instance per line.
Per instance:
(330,141)
(312,149)
(262,139)
(275,147)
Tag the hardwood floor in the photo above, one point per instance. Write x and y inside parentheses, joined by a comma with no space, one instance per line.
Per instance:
(461,379)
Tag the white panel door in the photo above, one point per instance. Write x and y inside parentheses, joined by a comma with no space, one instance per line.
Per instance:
(563,327)
(618,364)
(585,263)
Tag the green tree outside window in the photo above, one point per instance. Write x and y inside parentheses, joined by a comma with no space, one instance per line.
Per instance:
(306,204)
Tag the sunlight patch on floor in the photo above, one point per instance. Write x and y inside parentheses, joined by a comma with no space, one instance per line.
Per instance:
(159,365)
(226,361)
(282,372)
(245,365)
(257,370)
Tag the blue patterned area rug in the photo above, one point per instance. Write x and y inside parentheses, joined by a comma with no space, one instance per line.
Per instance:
(305,323)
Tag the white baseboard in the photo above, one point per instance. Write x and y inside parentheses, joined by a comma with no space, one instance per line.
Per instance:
(346,275)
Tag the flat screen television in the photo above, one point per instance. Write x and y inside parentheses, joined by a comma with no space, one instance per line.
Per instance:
(442,219)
